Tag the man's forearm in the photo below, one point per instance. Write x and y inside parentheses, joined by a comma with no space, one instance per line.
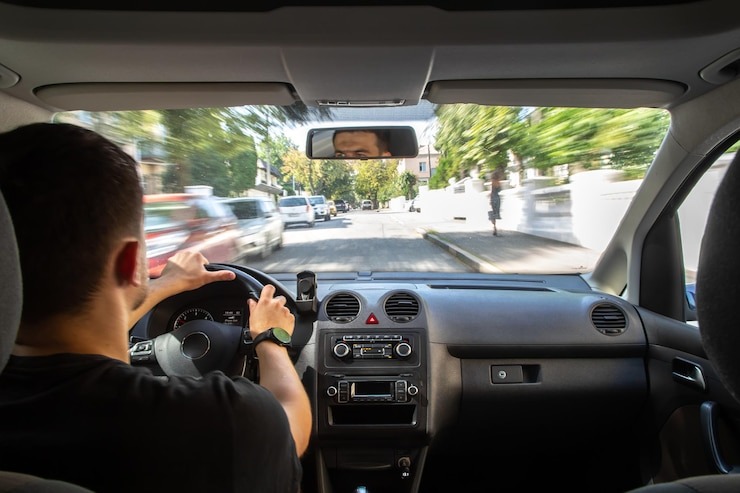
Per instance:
(278,375)
(158,291)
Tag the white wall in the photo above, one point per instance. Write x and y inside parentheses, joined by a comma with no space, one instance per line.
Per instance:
(584,212)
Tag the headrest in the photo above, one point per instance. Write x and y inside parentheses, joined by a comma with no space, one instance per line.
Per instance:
(11,292)
(718,281)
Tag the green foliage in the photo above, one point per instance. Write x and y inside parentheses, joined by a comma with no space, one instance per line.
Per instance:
(406,184)
(210,146)
(376,179)
(305,171)
(272,149)
(479,137)
(214,146)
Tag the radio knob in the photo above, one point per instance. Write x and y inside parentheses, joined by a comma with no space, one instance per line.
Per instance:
(412,390)
(331,391)
(341,350)
(403,349)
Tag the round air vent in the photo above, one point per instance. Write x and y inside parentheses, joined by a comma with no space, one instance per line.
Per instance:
(343,308)
(401,307)
(609,319)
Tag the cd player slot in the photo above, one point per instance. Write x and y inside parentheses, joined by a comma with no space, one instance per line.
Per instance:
(379,414)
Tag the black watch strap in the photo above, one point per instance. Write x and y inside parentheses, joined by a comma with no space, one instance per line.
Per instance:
(276,335)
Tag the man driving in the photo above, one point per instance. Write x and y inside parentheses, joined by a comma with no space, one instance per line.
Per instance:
(71,405)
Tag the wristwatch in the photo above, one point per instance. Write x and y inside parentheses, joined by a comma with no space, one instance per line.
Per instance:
(275,335)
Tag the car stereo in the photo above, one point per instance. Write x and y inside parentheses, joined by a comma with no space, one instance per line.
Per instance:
(371,346)
(371,389)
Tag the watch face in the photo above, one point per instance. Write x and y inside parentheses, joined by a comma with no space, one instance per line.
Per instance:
(281,335)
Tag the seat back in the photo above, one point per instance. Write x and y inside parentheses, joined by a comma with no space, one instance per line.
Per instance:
(11,289)
(11,301)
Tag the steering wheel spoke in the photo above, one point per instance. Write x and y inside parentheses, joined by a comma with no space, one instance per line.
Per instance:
(142,353)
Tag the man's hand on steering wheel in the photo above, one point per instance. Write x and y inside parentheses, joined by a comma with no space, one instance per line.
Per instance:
(184,271)
(270,311)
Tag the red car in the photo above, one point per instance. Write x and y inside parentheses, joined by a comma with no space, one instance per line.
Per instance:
(183,221)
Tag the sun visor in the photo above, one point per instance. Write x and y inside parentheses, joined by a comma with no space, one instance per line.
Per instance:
(581,93)
(163,95)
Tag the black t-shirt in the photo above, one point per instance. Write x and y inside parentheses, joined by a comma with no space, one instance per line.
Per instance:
(103,424)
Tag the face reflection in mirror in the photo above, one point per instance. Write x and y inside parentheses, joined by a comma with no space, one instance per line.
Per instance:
(360,144)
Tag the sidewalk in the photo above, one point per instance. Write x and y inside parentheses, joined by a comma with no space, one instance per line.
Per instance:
(510,251)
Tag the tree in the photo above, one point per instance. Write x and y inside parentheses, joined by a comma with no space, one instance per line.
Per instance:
(305,171)
(272,149)
(210,146)
(329,177)
(335,178)
(472,136)
(376,179)
(407,184)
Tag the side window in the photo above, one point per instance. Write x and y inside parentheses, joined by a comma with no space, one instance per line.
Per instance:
(693,214)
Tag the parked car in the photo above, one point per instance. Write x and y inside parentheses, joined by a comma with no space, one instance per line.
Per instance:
(180,221)
(332,207)
(341,205)
(320,207)
(296,209)
(429,370)
(261,225)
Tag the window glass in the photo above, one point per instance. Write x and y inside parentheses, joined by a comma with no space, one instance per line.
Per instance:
(245,210)
(564,177)
(693,214)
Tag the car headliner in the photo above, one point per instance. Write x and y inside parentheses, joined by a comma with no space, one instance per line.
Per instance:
(513,55)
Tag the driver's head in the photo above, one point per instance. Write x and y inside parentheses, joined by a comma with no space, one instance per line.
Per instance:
(360,144)
(75,199)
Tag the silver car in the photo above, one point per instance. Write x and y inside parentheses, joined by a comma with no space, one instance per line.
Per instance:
(320,207)
(260,223)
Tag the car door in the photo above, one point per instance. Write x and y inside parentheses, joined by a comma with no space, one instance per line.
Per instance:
(695,419)
(273,224)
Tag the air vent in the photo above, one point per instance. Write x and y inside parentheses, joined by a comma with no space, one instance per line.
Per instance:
(609,319)
(401,307)
(343,308)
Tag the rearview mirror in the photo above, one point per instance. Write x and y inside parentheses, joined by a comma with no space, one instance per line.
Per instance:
(362,143)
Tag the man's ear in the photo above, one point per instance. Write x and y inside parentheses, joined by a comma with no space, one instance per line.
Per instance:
(127,269)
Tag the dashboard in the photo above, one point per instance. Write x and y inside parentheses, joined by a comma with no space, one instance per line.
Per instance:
(401,367)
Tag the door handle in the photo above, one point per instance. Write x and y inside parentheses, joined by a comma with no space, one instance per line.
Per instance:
(689,373)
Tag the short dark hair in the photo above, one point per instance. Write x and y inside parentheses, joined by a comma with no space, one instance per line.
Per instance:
(71,194)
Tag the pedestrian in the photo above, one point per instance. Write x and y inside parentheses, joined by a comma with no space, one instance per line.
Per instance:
(495,212)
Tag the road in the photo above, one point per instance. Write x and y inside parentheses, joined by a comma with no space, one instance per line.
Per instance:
(361,241)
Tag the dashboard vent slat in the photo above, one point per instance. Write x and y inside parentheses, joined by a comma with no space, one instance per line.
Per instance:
(343,308)
(401,307)
(609,319)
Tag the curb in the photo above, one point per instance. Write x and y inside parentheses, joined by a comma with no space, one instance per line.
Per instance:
(470,259)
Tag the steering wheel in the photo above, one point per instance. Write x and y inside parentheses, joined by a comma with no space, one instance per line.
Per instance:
(201,346)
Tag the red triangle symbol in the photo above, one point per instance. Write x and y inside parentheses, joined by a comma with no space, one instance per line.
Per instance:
(372,319)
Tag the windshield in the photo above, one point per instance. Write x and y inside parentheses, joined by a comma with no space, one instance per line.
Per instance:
(518,189)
